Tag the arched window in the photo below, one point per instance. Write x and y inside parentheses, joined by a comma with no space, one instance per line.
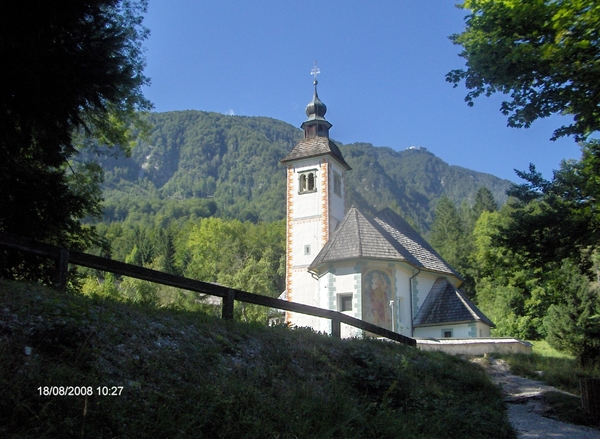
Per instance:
(303,183)
(307,182)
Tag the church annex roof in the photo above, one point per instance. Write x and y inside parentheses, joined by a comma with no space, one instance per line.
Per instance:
(313,147)
(447,304)
(387,236)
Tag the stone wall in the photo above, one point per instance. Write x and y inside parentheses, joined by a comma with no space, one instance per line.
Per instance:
(475,346)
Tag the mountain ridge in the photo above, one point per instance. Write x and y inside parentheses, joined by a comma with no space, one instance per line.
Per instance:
(232,163)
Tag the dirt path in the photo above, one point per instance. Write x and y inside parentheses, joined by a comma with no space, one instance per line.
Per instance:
(526,406)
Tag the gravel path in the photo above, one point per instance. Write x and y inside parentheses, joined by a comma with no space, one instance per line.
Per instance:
(525,407)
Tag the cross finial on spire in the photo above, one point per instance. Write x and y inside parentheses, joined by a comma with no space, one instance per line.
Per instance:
(315,71)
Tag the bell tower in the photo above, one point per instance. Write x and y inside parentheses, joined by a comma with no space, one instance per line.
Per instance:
(315,205)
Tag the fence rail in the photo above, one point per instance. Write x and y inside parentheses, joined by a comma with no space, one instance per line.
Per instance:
(64,257)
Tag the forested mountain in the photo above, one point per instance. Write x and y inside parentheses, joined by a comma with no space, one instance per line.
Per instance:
(196,163)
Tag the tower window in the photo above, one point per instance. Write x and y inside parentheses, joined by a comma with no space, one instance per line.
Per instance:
(307,182)
(337,184)
(307,249)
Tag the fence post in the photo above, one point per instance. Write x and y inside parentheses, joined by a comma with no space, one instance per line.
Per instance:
(62,269)
(336,328)
(227,308)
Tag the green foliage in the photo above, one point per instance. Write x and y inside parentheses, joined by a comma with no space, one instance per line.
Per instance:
(69,68)
(573,324)
(246,256)
(229,163)
(554,301)
(484,202)
(187,374)
(558,219)
(448,236)
(515,295)
(546,246)
(544,53)
(453,235)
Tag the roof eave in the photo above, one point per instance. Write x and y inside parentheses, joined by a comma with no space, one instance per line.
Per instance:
(313,267)
(341,162)
(458,322)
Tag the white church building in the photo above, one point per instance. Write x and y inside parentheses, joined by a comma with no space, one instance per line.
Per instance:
(375,268)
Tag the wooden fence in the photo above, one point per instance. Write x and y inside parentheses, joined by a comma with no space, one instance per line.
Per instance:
(64,257)
(590,397)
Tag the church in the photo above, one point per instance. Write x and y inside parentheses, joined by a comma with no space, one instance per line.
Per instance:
(374,268)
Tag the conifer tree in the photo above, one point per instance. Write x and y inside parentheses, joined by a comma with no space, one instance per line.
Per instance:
(70,69)
(484,202)
(447,233)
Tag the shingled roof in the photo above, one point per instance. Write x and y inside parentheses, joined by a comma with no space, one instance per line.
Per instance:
(387,236)
(447,304)
(313,147)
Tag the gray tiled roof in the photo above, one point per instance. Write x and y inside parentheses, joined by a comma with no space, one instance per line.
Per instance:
(447,304)
(355,237)
(315,146)
(387,236)
(414,248)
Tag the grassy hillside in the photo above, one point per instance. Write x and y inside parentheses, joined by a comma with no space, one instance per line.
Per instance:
(180,374)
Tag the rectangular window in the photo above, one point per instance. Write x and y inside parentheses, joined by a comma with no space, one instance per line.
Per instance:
(337,184)
(345,302)
(447,333)
(307,249)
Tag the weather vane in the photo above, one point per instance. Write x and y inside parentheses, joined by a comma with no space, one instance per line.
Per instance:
(315,71)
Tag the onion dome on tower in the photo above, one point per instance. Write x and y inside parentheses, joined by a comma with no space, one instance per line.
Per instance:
(316,140)
(316,125)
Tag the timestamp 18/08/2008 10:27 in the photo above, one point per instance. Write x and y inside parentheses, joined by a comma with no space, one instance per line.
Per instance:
(80,390)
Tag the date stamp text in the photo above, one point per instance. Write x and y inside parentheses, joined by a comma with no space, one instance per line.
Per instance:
(80,390)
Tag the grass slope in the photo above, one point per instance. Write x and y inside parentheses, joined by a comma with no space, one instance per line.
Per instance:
(190,375)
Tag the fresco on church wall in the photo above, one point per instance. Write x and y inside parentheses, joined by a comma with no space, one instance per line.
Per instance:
(377,290)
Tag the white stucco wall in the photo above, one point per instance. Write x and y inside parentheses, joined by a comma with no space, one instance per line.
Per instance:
(341,280)
(308,233)
(305,232)
(337,208)
(461,330)
(402,276)
(346,278)
(304,229)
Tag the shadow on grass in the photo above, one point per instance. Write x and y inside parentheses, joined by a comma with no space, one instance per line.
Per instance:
(567,408)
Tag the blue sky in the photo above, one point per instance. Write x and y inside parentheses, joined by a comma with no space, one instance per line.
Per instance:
(383,66)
